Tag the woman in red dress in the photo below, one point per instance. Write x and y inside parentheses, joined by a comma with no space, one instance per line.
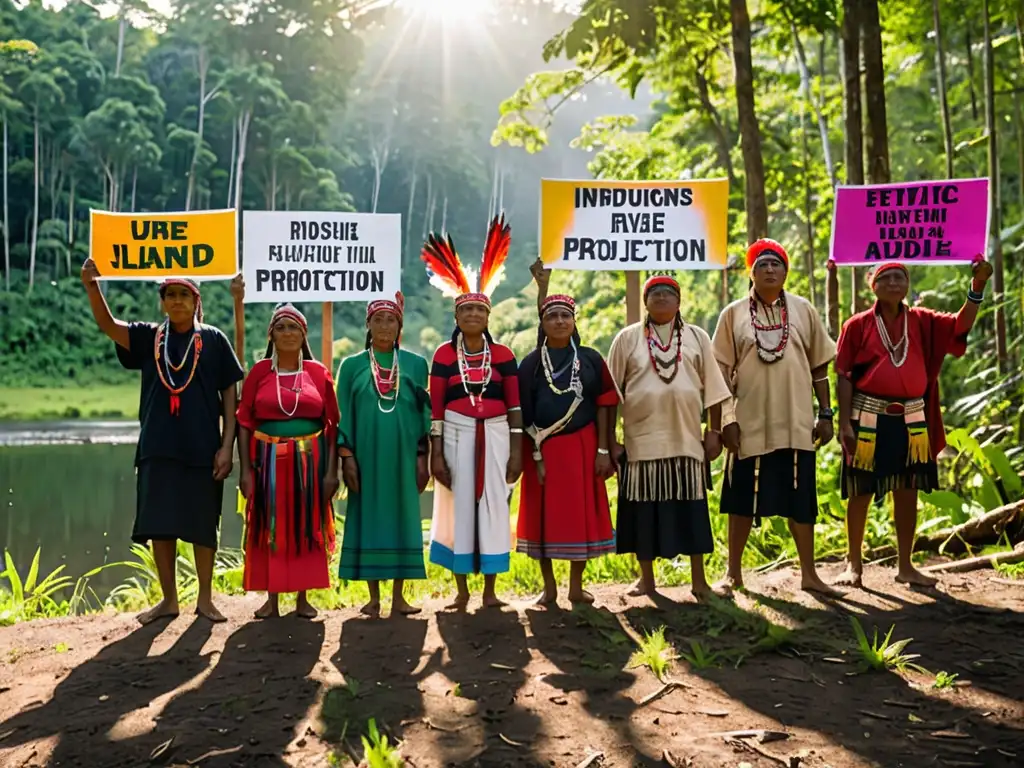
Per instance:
(567,395)
(288,425)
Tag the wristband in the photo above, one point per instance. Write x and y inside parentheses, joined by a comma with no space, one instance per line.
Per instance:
(826,414)
(975,298)
(437,428)
(515,430)
(603,452)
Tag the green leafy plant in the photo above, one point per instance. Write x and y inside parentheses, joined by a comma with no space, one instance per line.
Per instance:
(378,752)
(884,654)
(655,653)
(698,657)
(944,681)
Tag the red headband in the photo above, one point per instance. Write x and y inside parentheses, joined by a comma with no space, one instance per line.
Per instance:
(888,267)
(396,307)
(660,280)
(193,286)
(766,247)
(473,298)
(558,300)
(290,312)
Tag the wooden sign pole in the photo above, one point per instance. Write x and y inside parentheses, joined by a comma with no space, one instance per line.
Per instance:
(633,298)
(327,343)
(240,332)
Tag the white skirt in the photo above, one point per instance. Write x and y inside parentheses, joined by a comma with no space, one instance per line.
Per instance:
(471,535)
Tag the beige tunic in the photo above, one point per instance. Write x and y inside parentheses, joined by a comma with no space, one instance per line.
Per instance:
(774,402)
(663,421)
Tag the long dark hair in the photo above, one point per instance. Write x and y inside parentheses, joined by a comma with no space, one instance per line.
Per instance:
(398,338)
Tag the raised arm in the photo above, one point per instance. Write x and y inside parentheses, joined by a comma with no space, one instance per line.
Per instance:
(969,311)
(116,330)
(542,277)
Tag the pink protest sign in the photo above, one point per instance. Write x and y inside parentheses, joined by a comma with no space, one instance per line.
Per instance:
(927,222)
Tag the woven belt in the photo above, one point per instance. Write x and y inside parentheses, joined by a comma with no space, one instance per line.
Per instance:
(302,442)
(867,404)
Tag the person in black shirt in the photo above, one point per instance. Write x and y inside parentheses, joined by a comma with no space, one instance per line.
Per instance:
(189,377)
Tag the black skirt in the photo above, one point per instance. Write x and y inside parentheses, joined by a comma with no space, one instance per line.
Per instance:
(668,528)
(176,501)
(776,495)
(891,471)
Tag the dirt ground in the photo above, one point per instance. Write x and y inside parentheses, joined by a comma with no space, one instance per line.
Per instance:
(529,687)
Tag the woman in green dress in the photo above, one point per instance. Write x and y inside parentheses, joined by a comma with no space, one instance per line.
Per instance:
(383,442)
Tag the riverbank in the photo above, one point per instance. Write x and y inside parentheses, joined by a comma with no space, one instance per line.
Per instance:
(522,686)
(100,401)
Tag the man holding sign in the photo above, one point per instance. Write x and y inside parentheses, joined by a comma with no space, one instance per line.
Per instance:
(189,373)
(888,364)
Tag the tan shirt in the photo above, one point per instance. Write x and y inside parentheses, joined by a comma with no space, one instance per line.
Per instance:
(663,421)
(774,403)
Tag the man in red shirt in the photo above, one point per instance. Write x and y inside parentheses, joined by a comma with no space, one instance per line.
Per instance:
(890,423)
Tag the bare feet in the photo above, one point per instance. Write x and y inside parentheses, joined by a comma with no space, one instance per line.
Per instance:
(728,585)
(304,610)
(910,575)
(268,609)
(459,603)
(208,611)
(492,601)
(581,598)
(165,609)
(703,593)
(851,577)
(546,598)
(371,609)
(403,608)
(642,588)
(811,582)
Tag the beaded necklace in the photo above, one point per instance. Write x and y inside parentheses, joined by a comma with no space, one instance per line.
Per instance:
(464,368)
(575,385)
(898,351)
(653,343)
(768,353)
(296,388)
(386,385)
(164,366)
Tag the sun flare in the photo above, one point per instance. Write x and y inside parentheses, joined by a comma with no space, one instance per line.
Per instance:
(462,12)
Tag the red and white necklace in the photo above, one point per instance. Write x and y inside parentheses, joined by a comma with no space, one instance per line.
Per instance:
(385,384)
(464,368)
(764,335)
(654,345)
(164,366)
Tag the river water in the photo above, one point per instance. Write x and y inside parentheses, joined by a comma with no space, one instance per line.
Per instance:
(68,489)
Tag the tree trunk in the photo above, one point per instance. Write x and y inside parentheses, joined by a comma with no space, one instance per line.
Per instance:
(722,143)
(35,205)
(244,120)
(121,23)
(135,183)
(808,208)
(204,67)
(1019,120)
(7,228)
(874,89)
(970,69)
(995,218)
(750,134)
(805,85)
(71,221)
(231,165)
(409,210)
(940,71)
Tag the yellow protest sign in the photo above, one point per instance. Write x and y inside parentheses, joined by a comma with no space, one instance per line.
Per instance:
(634,225)
(143,246)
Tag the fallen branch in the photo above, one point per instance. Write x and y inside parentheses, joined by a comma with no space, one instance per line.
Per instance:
(214,753)
(757,751)
(666,689)
(1009,582)
(986,529)
(591,760)
(763,736)
(977,563)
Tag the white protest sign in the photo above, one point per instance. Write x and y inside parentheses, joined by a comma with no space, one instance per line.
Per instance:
(320,256)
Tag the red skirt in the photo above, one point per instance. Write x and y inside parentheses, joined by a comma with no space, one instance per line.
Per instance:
(567,518)
(289,531)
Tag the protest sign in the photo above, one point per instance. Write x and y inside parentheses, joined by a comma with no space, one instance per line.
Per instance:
(633,225)
(320,256)
(925,222)
(202,245)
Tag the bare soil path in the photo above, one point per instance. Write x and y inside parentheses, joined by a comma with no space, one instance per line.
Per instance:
(531,687)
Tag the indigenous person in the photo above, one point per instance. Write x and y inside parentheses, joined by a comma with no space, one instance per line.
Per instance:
(476,429)
(666,376)
(288,422)
(567,395)
(773,349)
(890,423)
(384,445)
(187,419)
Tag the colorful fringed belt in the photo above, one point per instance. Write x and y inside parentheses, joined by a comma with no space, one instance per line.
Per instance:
(312,515)
(867,409)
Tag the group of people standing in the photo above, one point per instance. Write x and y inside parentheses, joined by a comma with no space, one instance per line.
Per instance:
(476,421)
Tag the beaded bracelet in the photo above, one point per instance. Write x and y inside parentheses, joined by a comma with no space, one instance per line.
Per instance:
(973,297)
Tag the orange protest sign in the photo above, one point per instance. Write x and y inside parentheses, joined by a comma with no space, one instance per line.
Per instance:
(144,246)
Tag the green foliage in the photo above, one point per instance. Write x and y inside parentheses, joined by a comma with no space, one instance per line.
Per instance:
(655,653)
(884,654)
(378,752)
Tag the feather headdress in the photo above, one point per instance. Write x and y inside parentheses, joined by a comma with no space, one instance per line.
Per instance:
(454,280)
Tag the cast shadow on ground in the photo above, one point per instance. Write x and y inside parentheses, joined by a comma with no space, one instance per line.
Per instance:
(787,676)
(120,679)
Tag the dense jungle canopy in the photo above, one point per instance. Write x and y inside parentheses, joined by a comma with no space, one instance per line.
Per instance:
(368,105)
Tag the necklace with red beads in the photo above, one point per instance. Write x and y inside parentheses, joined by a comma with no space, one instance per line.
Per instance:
(776,330)
(654,346)
(165,368)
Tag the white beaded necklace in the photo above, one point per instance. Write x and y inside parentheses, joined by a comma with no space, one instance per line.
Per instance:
(296,387)
(485,366)
(392,379)
(575,386)
(897,352)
